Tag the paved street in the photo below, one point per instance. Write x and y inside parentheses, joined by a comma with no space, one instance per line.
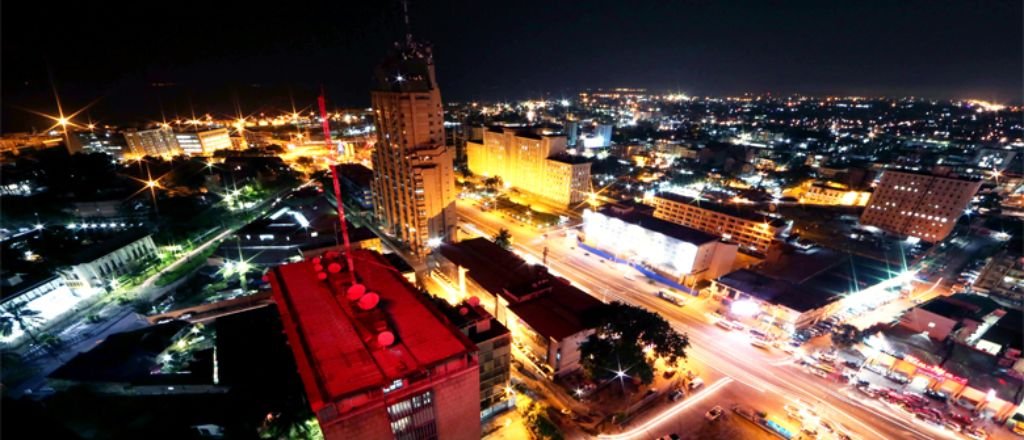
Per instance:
(770,378)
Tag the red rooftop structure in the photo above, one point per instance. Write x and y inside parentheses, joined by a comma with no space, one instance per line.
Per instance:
(378,361)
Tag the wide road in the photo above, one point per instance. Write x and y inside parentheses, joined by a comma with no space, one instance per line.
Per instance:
(770,375)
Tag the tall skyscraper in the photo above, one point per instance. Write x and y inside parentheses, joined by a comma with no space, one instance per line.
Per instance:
(414,178)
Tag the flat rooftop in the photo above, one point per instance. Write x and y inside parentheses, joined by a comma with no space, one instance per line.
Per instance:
(806,280)
(646,221)
(738,211)
(569,159)
(109,245)
(558,311)
(335,342)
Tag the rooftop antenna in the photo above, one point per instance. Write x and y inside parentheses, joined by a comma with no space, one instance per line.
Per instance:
(325,122)
(405,17)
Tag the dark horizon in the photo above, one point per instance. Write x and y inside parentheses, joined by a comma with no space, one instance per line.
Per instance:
(212,58)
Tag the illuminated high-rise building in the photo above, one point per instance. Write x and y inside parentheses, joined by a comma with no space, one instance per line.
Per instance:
(919,205)
(194,143)
(153,142)
(414,178)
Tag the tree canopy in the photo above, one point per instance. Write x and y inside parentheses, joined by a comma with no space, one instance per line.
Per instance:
(622,334)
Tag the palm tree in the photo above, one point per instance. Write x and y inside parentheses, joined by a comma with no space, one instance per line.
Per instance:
(25,319)
(503,239)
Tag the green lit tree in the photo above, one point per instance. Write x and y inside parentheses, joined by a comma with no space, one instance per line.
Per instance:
(617,347)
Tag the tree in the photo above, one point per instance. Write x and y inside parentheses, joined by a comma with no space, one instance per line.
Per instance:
(503,239)
(846,335)
(492,182)
(25,318)
(618,344)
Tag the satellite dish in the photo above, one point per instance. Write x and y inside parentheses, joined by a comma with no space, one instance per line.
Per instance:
(473,301)
(316,260)
(463,311)
(385,338)
(266,278)
(369,301)
(321,276)
(318,267)
(356,291)
(334,268)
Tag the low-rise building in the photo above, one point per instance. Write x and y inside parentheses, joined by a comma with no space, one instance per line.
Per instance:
(546,314)
(753,231)
(356,184)
(832,193)
(494,352)
(49,297)
(99,265)
(798,288)
(1003,276)
(683,255)
(301,227)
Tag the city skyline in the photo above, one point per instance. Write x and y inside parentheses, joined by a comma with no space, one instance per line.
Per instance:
(960,51)
(583,251)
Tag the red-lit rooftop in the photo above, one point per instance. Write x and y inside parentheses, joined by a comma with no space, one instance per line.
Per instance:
(345,344)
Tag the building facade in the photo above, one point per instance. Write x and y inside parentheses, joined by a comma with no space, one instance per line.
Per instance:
(389,365)
(1003,277)
(682,254)
(153,142)
(200,143)
(918,205)
(100,264)
(830,193)
(414,177)
(494,352)
(533,162)
(752,231)
(548,317)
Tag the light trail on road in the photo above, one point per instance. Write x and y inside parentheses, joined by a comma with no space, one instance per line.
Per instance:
(756,369)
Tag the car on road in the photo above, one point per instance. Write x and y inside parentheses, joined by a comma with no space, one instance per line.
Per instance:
(696,383)
(714,413)
(675,395)
(726,324)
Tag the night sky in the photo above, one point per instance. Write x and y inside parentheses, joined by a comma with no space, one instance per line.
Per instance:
(214,57)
